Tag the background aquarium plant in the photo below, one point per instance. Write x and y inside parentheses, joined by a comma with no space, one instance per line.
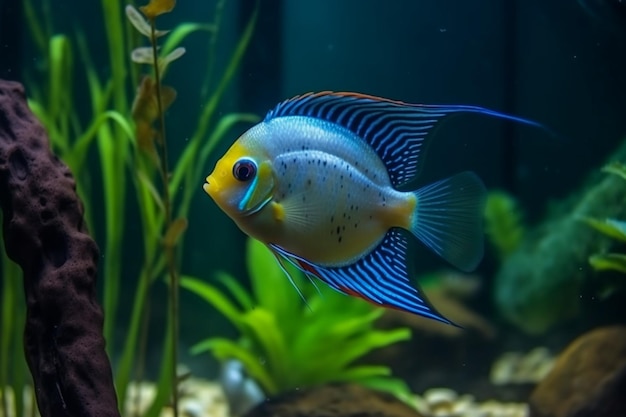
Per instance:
(286,343)
(554,262)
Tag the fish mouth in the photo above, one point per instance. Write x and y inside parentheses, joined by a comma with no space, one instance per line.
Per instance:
(210,185)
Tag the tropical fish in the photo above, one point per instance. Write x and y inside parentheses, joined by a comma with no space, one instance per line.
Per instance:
(320,182)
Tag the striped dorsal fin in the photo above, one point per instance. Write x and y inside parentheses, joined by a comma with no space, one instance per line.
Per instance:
(397,131)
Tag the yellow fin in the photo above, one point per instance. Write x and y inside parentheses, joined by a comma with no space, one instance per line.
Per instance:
(279,212)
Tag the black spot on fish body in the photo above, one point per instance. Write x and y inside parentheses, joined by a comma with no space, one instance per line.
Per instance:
(308,182)
(325,163)
(339,239)
(338,229)
(332,218)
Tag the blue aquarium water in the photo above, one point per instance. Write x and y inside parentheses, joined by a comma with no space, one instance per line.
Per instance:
(442,219)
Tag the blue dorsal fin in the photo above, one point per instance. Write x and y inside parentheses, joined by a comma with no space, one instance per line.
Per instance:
(381,277)
(397,131)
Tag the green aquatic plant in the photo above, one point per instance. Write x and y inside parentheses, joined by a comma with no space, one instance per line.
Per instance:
(503,223)
(613,228)
(286,344)
(151,101)
(13,369)
(119,136)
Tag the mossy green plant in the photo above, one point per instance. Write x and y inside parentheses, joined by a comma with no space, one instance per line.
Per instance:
(613,228)
(503,223)
(285,343)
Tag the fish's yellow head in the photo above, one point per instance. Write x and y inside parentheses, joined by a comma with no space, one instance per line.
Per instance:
(242,182)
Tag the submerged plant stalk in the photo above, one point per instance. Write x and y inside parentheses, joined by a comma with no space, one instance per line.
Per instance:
(169,249)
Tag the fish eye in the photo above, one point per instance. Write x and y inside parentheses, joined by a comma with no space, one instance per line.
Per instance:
(244,170)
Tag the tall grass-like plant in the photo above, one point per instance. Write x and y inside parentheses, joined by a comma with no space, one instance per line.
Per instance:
(111,128)
(287,344)
(149,107)
(13,369)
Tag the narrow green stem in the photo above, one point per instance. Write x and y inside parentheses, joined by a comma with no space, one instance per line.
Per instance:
(170,252)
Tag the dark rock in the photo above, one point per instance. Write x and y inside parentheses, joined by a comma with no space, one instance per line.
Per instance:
(45,234)
(588,378)
(334,400)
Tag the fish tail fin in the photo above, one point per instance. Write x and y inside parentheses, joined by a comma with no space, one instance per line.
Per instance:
(448,219)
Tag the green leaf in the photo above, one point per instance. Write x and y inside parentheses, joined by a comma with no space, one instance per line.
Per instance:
(60,105)
(141,24)
(610,227)
(79,151)
(213,296)
(616,168)
(609,261)
(165,60)
(238,292)
(224,349)
(143,55)
(394,386)
(263,330)
(181,31)
(361,372)
(362,344)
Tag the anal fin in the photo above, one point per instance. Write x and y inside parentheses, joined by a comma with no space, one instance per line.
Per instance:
(380,277)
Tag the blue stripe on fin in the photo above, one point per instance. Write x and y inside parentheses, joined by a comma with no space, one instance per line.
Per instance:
(381,277)
(397,131)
